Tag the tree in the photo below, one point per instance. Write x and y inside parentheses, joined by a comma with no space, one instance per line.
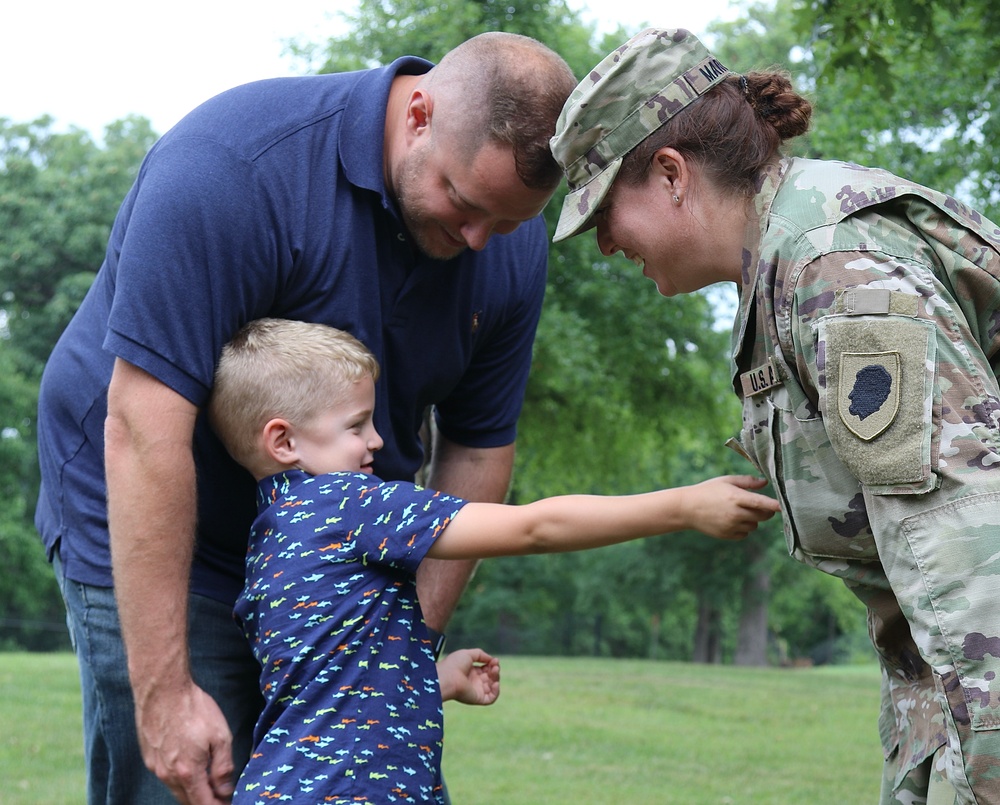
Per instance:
(908,85)
(58,196)
(383,30)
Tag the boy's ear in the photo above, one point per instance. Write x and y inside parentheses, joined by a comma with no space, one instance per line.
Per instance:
(279,441)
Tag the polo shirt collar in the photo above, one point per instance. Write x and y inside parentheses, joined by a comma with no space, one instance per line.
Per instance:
(362,135)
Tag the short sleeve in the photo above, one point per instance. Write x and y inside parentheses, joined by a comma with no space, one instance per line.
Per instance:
(196,256)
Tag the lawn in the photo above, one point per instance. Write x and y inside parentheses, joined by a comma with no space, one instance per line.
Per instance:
(565,730)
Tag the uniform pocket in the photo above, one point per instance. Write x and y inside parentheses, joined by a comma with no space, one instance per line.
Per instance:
(824,507)
(955,548)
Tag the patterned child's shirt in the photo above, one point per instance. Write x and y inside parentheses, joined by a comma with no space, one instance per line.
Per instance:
(353,710)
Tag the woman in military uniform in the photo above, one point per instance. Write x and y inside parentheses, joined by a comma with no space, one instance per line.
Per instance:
(865,353)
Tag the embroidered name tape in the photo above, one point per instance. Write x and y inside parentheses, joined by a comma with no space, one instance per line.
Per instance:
(764,377)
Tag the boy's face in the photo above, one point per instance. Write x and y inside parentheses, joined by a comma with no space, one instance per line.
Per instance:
(343,439)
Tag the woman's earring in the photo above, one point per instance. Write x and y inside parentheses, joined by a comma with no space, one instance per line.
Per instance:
(677,199)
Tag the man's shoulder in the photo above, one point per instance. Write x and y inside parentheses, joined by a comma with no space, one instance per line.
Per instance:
(251,117)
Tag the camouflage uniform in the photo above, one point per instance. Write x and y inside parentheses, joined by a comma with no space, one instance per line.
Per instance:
(866,355)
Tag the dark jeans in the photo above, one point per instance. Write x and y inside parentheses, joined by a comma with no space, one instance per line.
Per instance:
(222,666)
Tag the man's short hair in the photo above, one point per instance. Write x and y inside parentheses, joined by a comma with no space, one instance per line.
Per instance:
(507,89)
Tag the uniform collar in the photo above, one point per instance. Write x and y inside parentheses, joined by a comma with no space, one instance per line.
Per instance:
(768,183)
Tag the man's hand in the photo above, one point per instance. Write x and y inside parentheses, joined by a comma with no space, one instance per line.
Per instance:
(470,676)
(183,734)
(186,742)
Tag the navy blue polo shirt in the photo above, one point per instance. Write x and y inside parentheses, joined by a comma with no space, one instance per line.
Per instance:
(268,200)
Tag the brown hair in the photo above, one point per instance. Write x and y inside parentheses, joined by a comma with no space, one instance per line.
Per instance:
(507,89)
(732,132)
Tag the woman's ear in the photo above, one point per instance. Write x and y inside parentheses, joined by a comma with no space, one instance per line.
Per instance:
(279,442)
(670,167)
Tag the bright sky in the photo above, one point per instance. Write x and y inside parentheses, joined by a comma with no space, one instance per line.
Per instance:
(90,63)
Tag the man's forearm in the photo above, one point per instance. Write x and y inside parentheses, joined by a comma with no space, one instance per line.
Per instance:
(151,560)
(151,517)
(479,474)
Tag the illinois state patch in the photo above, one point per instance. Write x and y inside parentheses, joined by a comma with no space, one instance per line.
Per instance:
(868,396)
(876,377)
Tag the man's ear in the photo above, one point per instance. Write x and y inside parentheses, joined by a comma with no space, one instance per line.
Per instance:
(418,112)
(279,442)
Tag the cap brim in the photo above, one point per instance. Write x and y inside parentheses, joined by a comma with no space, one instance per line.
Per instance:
(580,205)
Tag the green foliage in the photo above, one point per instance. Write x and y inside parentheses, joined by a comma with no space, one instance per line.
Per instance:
(384,30)
(907,86)
(815,616)
(29,600)
(58,196)
(927,85)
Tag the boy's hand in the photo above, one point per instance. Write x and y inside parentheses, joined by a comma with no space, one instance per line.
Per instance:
(724,507)
(470,676)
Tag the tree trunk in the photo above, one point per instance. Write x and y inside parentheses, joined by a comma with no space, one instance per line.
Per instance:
(655,624)
(707,636)
(751,643)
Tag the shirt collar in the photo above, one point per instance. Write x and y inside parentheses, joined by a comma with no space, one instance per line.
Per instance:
(362,134)
(277,486)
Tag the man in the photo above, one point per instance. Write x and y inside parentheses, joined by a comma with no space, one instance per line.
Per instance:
(366,201)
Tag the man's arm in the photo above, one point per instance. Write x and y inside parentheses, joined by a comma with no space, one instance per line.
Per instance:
(479,474)
(151,514)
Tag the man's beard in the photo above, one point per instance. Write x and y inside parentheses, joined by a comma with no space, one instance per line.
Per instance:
(419,223)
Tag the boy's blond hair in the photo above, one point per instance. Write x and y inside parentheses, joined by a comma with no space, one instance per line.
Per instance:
(274,368)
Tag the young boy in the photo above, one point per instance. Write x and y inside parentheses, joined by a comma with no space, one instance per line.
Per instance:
(353,708)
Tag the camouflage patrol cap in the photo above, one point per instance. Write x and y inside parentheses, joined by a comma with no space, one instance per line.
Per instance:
(635,89)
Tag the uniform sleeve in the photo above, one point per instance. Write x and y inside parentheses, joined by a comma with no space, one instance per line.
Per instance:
(887,346)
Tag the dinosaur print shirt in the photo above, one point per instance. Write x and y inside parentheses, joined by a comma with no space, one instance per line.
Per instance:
(353,709)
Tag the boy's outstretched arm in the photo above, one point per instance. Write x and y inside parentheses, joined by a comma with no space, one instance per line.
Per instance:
(724,508)
(470,676)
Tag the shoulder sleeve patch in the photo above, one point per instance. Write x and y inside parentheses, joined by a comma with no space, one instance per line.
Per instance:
(868,392)
(877,400)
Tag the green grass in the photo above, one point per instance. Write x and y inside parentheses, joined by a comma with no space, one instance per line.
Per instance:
(41,748)
(629,731)
(564,731)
